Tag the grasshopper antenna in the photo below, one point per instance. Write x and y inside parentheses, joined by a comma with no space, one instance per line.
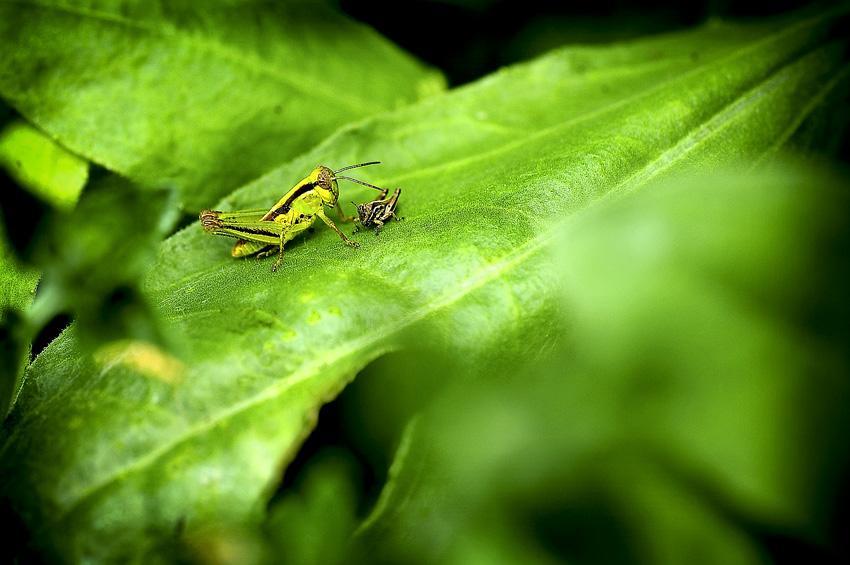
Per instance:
(335,177)
(359,182)
(355,166)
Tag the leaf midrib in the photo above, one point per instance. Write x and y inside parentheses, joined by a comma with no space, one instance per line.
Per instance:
(804,112)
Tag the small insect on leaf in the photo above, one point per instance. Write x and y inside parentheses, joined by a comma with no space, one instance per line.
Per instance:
(377,211)
(264,231)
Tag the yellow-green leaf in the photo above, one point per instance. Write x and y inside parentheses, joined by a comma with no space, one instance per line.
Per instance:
(41,166)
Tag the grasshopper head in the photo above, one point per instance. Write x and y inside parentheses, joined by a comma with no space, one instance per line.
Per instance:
(323,179)
(364,211)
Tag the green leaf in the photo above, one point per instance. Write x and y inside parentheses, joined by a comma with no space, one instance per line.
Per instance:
(198,96)
(106,463)
(18,280)
(43,167)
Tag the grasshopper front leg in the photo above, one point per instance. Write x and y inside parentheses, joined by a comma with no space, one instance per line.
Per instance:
(342,216)
(379,222)
(330,224)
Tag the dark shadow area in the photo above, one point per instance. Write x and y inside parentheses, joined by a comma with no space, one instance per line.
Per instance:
(469,39)
(50,332)
(23,217)
(334,432)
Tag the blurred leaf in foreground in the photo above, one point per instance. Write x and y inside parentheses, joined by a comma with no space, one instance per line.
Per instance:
(700,400)
(106,463)
(94,256)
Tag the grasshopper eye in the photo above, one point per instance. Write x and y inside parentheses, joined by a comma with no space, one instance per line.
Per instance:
(324,179)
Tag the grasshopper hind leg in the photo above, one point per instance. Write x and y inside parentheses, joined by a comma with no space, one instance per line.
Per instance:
(283,239)
(279,257)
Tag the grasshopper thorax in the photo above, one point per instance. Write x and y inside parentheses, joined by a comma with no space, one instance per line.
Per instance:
(325,185)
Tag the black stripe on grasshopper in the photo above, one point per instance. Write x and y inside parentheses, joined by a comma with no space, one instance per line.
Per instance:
(252,231)
(377,211)
(287,205)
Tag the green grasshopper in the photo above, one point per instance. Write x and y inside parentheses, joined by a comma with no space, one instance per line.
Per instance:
(377,211)
(262,232)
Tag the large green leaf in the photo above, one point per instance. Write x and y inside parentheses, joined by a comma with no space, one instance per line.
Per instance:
(103,462)
(203,96)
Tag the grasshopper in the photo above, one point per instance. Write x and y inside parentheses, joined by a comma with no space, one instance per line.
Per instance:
(262,232)
(377,211)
